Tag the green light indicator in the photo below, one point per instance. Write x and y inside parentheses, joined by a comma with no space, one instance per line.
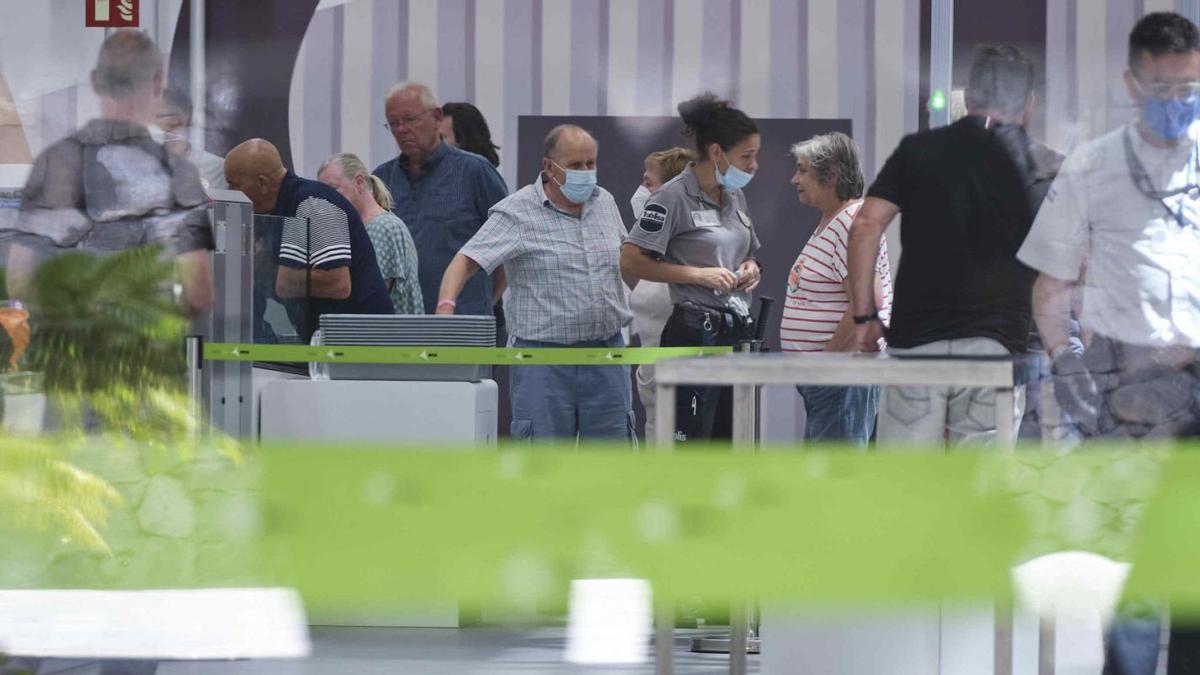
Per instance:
(938,100)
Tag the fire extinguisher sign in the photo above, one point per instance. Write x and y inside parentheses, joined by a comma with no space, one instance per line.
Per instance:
(112,13)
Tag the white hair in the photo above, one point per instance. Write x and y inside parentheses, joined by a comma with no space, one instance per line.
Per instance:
(428,100)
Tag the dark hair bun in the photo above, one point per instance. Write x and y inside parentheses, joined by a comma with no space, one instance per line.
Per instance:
(701,111)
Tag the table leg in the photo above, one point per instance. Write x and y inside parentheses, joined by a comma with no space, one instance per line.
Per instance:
(664,416)
(1006,432)
(745,417)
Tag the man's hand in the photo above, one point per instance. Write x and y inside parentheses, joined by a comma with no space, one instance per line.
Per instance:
(1076,390)
(444,309)
(716,278)
(868,335)
(749,274)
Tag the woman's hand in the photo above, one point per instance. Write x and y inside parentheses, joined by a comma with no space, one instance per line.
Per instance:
(716,278)
(749,274)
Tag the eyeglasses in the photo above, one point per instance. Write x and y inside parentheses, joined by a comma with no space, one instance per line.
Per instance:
(1170,90)
(406,121)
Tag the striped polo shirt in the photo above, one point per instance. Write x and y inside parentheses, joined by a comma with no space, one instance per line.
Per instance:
(816,294)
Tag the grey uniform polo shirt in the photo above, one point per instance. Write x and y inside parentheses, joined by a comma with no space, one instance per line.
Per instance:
(685,227)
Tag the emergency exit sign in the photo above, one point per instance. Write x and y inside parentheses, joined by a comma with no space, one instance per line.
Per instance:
(112,13)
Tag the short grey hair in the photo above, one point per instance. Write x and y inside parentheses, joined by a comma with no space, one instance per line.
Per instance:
(428,100)
(550,145)
(834,159)
(129,62)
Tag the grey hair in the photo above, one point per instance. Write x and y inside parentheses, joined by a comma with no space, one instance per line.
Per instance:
(352,167)
(550,145)
(834,159)
(128,62)
(428,100)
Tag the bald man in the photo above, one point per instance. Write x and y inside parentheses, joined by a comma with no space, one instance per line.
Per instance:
(441,192)
(331,261)
(559,241)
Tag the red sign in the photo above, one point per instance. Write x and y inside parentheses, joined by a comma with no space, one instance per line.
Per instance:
(112,13)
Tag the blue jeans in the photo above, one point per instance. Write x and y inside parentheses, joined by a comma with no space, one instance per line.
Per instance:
(569,402)
(845,414)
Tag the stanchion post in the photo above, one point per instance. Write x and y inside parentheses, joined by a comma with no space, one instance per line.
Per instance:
(664,636)
(194,350)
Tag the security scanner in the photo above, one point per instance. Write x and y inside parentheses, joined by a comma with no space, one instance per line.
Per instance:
(379,403)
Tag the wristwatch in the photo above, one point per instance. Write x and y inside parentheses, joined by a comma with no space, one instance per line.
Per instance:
(865,318)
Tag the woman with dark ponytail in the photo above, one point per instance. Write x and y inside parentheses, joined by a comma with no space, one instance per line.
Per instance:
(696,235)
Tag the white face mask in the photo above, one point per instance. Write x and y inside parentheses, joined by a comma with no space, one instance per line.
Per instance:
(638,200)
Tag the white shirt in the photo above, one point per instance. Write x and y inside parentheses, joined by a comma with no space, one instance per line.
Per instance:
(1142,281)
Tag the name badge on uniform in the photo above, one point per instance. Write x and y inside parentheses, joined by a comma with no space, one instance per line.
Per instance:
(745,219)
(706,218)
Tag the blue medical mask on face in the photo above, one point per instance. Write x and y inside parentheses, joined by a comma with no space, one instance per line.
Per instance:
(1170,118)
(733,178)
(579,186)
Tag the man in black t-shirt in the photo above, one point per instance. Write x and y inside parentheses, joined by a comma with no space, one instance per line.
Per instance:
(968,193)
(325,254)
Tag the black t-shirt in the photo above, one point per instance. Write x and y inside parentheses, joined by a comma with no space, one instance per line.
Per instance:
(335,238)
(966,209)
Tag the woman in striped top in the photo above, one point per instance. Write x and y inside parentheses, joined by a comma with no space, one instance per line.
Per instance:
(816,314)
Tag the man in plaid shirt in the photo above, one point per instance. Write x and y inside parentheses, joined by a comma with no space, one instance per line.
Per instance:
(559,241)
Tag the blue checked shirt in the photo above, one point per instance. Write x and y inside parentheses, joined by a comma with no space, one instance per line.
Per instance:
(564,272)
(444,207)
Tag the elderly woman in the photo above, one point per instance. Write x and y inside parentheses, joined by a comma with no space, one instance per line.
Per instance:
(650,301)
(816,315)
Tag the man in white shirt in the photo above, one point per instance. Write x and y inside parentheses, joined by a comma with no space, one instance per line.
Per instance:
(1122,221)
(1128,204)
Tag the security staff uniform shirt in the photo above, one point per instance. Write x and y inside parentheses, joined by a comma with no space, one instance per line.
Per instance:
(1142,283)
(685,227)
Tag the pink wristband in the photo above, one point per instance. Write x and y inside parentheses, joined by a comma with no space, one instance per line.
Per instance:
(447,303)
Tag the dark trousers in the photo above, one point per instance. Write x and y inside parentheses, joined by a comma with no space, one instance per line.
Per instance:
(703,413)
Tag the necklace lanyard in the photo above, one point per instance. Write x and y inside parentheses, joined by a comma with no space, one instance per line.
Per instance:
(1141,179)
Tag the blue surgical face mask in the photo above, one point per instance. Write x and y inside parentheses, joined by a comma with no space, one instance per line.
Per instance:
(1170,118)
(733,178)
(579,186)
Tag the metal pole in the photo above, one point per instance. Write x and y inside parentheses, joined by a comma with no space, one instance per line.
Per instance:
(739,639)
(664,416)
(941,62)
(194,350)
(1006,436)
(664,636)
(1002,656)
(199,76)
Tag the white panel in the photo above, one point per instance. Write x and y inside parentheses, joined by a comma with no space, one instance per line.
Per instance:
(556,58)
(296,108)
(890,74)
(754,76)
(688,45)
(622,56)
(356,79)
(1158,6)
(822,58)
(1091,61)
(489,65)
(422,43)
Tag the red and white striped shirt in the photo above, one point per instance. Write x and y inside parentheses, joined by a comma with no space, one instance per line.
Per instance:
(816,296)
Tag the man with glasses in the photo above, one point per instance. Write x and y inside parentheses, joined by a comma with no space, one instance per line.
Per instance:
(442,193)
(1128,205)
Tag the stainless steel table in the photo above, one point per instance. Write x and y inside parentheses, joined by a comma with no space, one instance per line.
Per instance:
(746,372)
